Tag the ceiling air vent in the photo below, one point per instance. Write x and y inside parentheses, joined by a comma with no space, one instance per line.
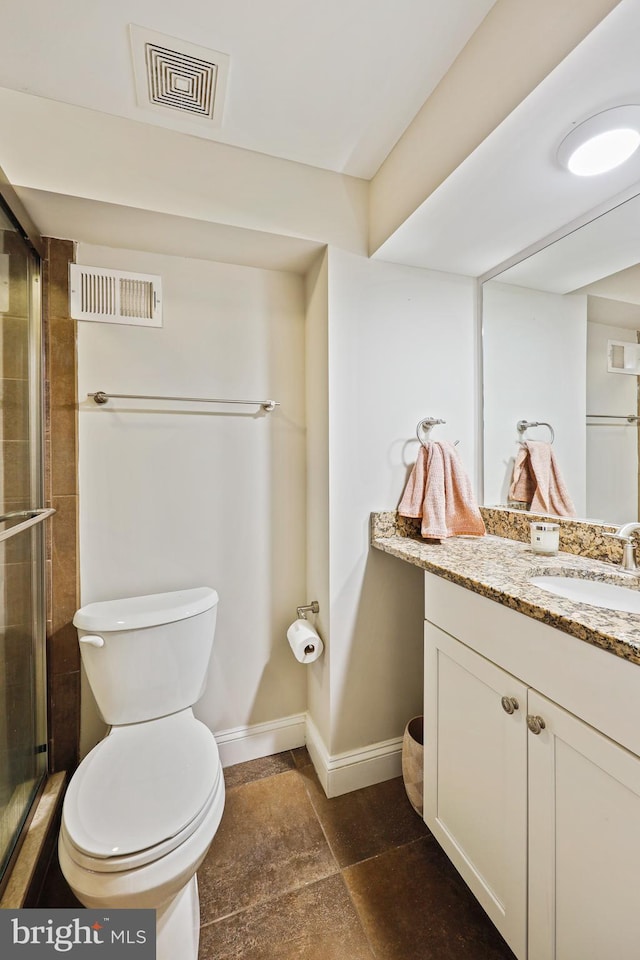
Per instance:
(114,296)
(176,75)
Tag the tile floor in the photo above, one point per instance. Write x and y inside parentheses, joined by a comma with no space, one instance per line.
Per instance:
(291,874)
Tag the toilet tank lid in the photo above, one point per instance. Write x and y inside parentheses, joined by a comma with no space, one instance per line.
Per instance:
(132,613)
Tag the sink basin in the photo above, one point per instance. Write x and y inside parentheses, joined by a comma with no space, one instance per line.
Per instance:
(594,592)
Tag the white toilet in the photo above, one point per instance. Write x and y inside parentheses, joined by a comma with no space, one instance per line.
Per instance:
(144,805)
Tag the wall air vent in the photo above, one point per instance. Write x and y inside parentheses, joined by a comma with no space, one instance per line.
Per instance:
(623,357)
(172,74)
(113,296)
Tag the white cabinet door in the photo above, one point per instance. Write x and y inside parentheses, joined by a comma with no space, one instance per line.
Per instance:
(584,841)
(475,777)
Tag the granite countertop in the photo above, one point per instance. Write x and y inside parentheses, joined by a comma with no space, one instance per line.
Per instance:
(500,569)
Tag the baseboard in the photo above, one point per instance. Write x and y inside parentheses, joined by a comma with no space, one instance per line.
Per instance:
(353,769)
(338,774)
(261,739)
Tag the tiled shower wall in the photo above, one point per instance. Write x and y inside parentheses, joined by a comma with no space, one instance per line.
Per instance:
(61,492)
(16,738)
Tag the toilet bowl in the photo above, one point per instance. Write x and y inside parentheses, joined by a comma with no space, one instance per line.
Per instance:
(143,806)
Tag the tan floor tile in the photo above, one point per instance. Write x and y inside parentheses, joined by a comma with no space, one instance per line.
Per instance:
(301,757)
(241,773)
(269,842)
(317,922)
(414,906)
(366,822)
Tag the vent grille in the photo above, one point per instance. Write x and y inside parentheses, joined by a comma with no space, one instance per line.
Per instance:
(114,296)
(623,357)
(176,75)
(180,82)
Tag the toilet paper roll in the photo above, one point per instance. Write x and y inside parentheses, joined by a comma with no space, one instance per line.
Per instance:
(304,641)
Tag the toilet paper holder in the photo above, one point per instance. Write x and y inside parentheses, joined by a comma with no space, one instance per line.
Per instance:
(302,611)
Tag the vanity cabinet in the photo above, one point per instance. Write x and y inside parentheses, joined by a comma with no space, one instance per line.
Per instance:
(584,841)
(537,808)
(475,777)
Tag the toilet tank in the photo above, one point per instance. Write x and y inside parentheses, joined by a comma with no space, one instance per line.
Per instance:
(147,657)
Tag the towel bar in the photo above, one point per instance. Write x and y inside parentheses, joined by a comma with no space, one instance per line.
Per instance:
(101,397)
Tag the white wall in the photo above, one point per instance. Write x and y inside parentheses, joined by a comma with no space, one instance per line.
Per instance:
(318,555)
(163,171)
(400,348)
(612,446)
(534,352)
(172,496)
(170,499)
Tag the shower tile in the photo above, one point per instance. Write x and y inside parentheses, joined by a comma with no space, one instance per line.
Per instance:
(252,770)
(63,454)
(60,253)
(63,653)
(15,596)
(62,351)
(15,475)
(16,549)
(61,494)
(15,666)
(19,293)
(415,906)
(64,560)
(317,922)
(269,842)
(366,822)
(64,690)
(13,663)
(14,343)
(14,398)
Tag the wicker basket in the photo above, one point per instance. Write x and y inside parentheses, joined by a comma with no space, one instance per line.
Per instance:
(413,761)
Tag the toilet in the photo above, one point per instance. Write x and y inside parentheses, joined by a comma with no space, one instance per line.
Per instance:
(143,806)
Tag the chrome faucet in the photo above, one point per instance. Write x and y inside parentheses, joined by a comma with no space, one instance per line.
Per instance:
(629,550)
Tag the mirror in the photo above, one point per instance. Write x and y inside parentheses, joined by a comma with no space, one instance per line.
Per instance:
(559,342)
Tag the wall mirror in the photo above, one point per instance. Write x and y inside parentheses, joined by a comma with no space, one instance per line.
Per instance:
(560,335)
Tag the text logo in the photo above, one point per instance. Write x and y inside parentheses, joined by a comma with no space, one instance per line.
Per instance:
(79,934)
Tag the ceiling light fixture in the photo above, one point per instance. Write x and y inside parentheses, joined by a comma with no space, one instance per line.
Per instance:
(602,142)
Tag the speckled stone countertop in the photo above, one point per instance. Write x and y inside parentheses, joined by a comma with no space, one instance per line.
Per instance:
(501,569)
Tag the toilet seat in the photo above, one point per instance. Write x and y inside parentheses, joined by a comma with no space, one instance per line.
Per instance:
(141,792)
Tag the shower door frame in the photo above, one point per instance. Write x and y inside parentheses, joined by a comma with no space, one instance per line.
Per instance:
(13,209)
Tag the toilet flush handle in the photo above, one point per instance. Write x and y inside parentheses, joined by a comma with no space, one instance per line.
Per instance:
(92,640)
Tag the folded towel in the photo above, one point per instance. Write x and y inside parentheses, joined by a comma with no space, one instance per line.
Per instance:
(537,480)
(439,491)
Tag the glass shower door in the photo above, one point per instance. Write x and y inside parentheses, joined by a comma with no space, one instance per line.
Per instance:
(22,643)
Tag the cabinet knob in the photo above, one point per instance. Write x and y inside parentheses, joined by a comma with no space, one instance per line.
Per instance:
(535,724)
(509,704)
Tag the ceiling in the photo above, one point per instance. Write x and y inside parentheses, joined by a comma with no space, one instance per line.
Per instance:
(605,249)
(511,191)
(331,84)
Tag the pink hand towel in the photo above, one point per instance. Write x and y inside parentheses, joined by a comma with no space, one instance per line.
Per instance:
(537,480)
(439,491)
(523,485)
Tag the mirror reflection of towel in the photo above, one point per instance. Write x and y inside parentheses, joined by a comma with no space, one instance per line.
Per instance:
(439,492)
(537,480)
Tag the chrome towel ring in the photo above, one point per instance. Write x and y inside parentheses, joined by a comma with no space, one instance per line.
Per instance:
(423,430)
(524,425)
